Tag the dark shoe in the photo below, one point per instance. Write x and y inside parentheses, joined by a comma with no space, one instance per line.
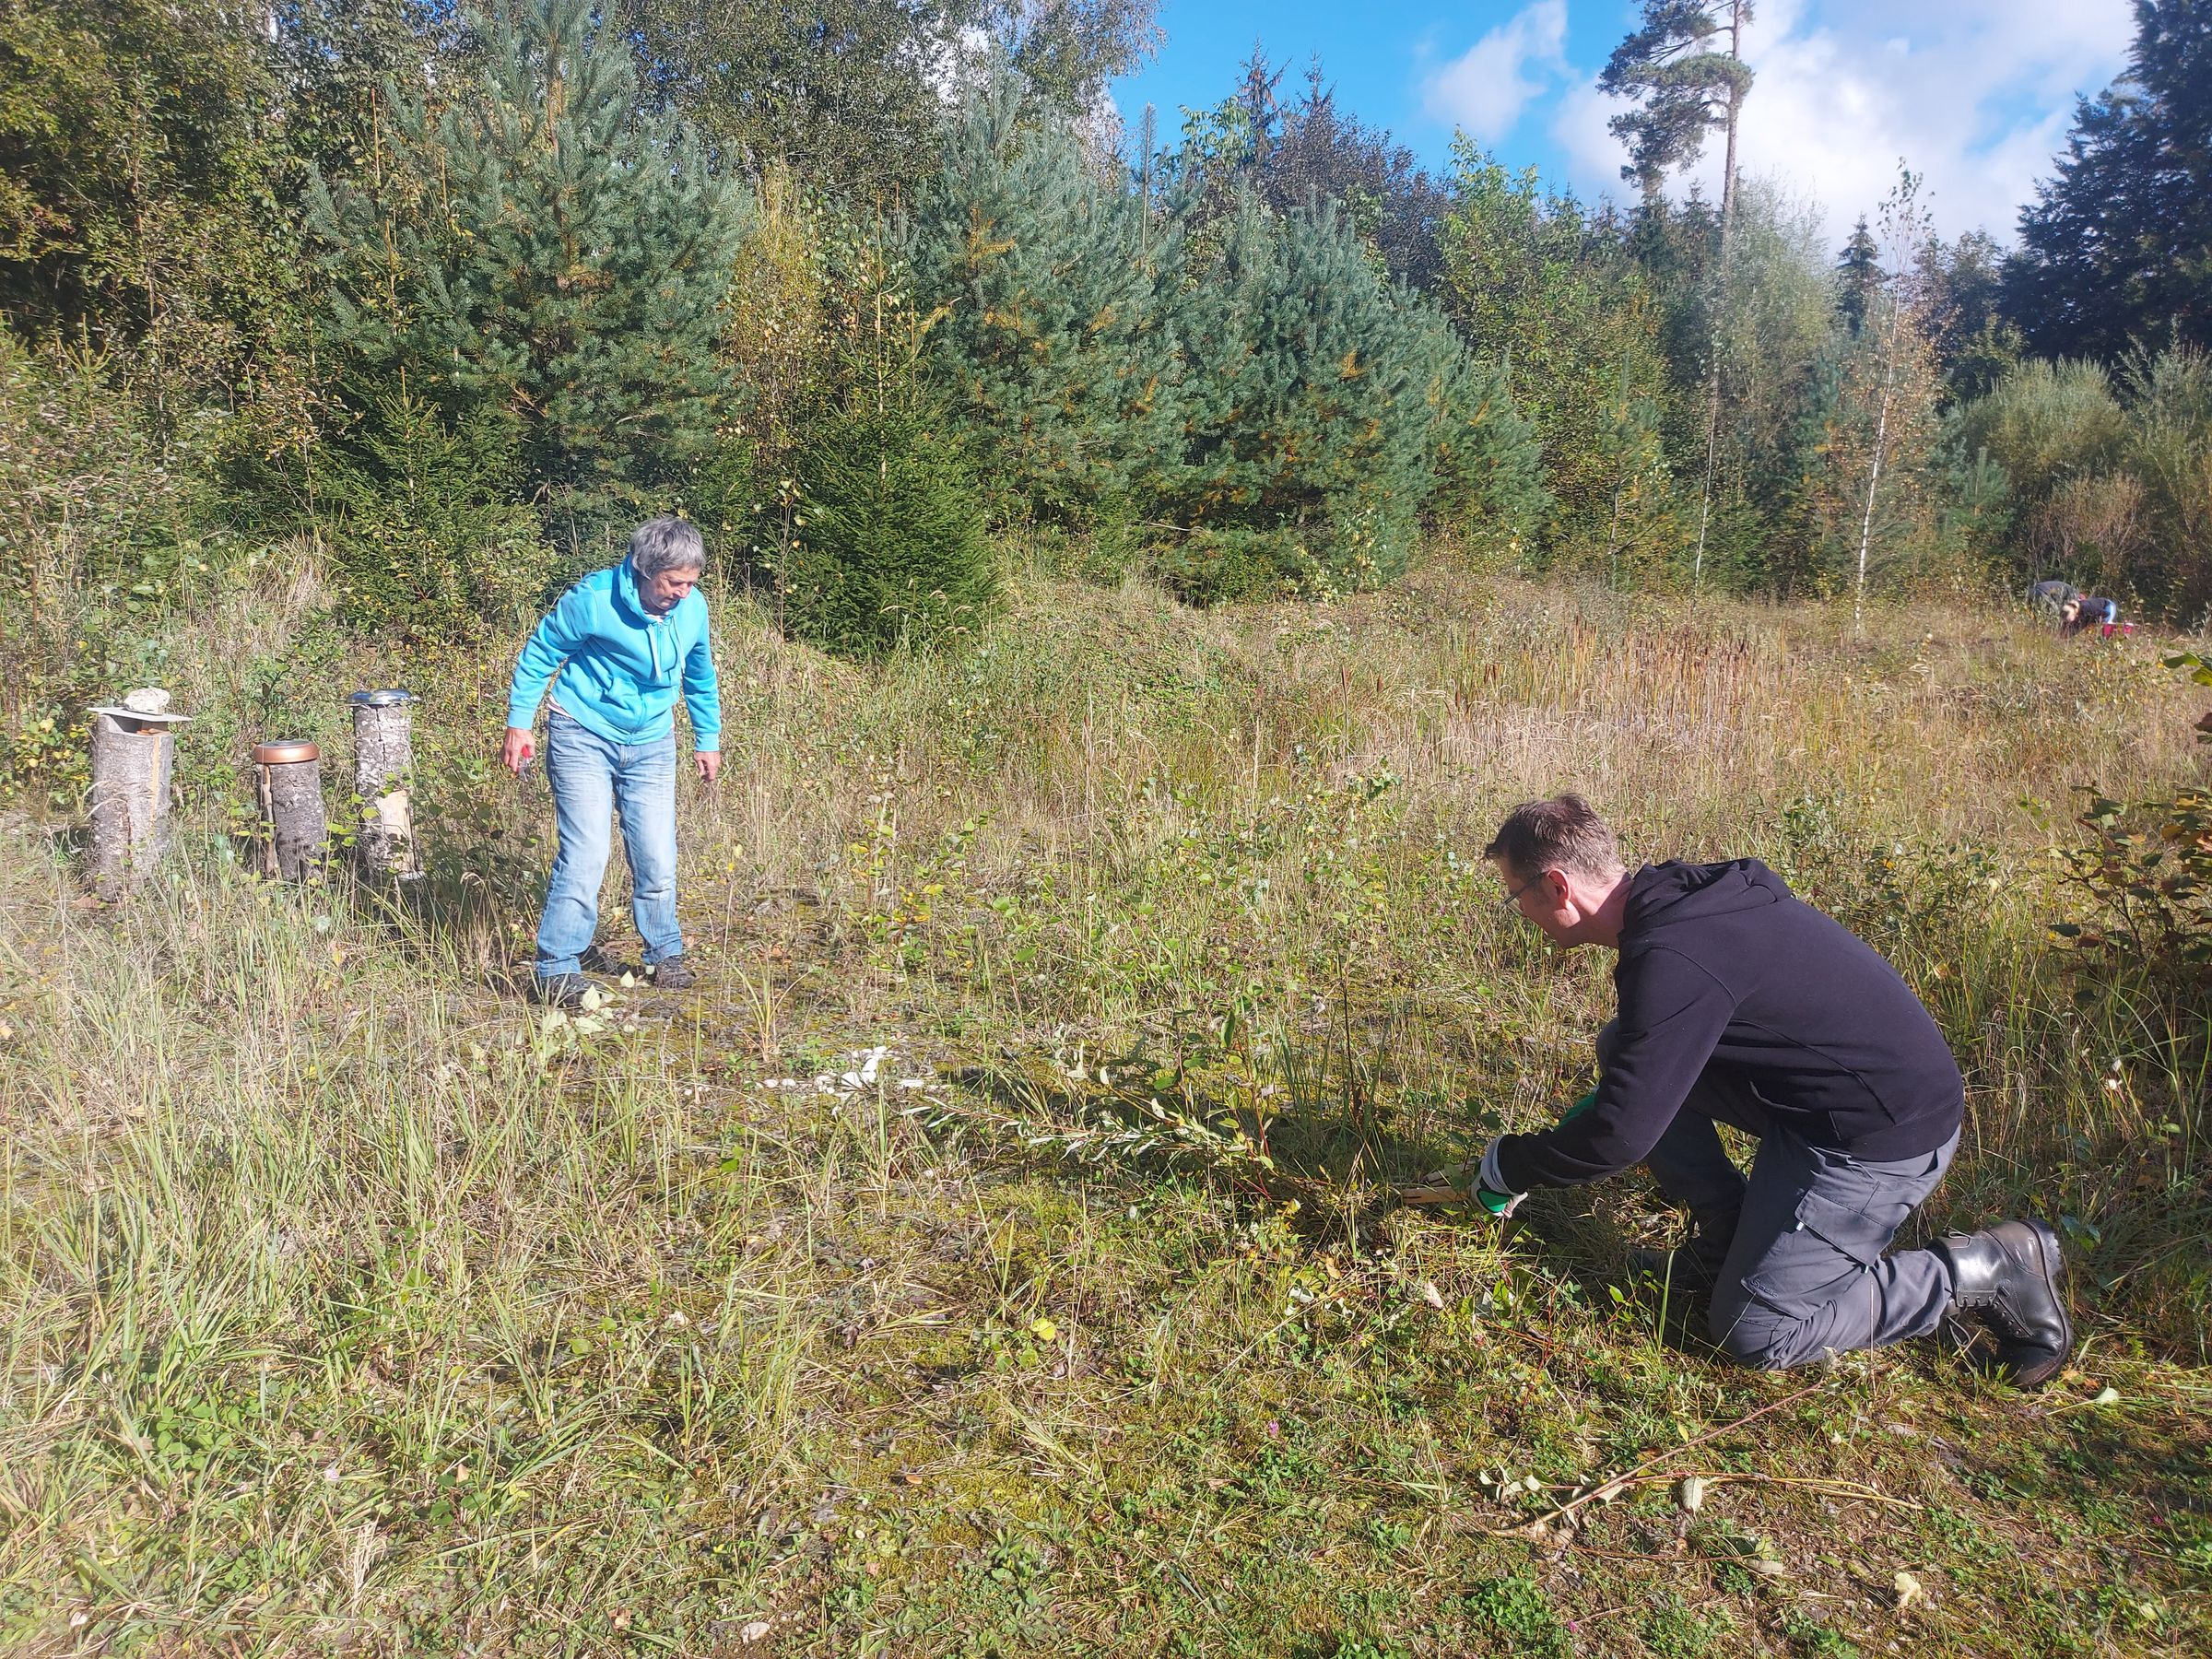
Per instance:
(674,974)
(562,990)
(597,958)
(2008,1311)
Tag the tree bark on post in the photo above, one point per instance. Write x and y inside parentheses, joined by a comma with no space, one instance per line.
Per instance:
(134,752)
(287,778)
(383,766)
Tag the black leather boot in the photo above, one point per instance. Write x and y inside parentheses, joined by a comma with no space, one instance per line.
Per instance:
(2008,1309)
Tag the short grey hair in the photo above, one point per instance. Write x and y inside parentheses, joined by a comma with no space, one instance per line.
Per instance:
(665,545)
(1562,833)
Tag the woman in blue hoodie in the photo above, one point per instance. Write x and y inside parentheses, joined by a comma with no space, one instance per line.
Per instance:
(616,650)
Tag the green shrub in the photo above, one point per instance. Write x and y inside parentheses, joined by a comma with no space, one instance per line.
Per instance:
(888,546)
(2046,421)
(425,534)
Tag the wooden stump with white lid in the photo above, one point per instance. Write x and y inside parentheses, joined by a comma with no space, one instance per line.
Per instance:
(133,755)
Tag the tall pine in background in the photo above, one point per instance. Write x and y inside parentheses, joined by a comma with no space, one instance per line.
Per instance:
(1048,336)
(541,249)
(2117,249)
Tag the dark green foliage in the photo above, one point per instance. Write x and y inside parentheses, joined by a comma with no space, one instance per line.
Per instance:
(1858,276)
(1315,393)
(420,517)
(1050,339)
(889,548)
(2117,248)
(136,208)
(1298,154)
(849,93)
(1964,283)
(542,250)
(1683,87)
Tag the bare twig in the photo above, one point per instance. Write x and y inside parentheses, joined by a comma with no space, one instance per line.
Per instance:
(1649,1464)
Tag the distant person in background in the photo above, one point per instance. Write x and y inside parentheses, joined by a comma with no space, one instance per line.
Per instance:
(617,650)
(2051,596)
(2085,611)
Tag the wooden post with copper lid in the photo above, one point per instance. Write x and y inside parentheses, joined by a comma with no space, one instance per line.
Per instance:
(288,780)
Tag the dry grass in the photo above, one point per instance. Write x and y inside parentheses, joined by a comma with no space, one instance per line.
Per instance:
(351,1307)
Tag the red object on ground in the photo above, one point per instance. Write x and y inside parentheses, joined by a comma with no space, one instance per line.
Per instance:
(2124,629)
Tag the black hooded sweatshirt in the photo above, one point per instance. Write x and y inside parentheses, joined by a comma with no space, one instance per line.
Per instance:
(1722,966)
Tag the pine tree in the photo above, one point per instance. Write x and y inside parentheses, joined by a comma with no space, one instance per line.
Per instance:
(1685,90)
(1319,399)
(1858,276)
(891,549)
(542,249)
(2117,249)
(1048,336)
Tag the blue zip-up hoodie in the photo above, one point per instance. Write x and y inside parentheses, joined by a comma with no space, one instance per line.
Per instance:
(619,665)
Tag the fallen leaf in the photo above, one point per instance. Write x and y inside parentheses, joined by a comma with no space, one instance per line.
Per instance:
(1691,1496)
(1908,1589)
(1432,1296)
(753,1631)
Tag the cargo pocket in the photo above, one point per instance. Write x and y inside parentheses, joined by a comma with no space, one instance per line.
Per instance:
(1828,1247)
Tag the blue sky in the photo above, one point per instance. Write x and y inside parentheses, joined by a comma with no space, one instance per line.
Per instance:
(1975,94)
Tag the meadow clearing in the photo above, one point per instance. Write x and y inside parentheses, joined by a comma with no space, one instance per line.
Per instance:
(996,1255)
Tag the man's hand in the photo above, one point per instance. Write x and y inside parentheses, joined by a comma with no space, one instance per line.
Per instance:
(1489,1185)
(515,750)
(709,762)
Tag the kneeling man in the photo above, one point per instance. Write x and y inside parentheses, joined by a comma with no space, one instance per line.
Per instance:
(1741,1005)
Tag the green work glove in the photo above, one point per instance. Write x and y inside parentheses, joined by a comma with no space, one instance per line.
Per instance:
(1489,1185)
(1580,1107)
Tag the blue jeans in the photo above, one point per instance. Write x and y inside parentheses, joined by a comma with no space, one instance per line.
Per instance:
(592,779)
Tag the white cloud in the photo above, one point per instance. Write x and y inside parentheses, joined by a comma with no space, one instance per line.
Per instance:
(1484,90)
(1976,95)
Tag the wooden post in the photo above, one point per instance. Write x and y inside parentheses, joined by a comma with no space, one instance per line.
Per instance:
(287,779)
(383,766)
(134,752)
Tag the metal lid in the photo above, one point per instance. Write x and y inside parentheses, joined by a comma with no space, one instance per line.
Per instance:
(382,699)
(285,751)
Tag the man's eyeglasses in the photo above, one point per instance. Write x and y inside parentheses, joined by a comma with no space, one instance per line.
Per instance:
(1511,902)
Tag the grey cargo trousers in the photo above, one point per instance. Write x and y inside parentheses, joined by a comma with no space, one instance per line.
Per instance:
(1805,1272)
